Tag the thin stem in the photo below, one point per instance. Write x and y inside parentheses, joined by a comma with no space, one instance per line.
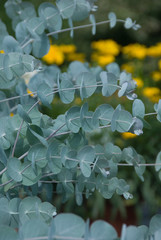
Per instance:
(80,27)
(4,170)
(55,237)
(4,184)
(23,155)
(55,131)
(16,140)
(139,164)
(148,114)
(28,42)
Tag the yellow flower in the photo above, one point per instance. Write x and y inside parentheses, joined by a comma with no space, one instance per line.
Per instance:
(156,75)
(66,49)
(127,135)
(159,64)
(78,100)
(153,93)
(76,57)
(127,67)
(55,55)
(139,82)
(30,93)
(154,51)
(1,51)
(11,114)
(135,51)
(109,47)
(103,60)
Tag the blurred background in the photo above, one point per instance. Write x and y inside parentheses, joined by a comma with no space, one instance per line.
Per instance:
(137,52)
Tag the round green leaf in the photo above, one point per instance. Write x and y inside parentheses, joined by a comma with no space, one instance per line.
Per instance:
(88,84)
(138,108)
(74,230)
(37,153)
(8,233)
(54,162)
(86,156)
(66,8)
(14,169)
(72,117)
(102,230)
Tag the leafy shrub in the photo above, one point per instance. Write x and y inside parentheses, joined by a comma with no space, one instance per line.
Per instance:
(40,155)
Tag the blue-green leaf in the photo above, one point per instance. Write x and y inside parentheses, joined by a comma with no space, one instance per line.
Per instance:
(140,169)
(113,68)
(112,18)
(6,65)
(23,114)
(102,230)
(11,45)
(138,108)
(76,68)
(43,90)
(72,117)
(14,169)
(128,23)
(82,9)
(3,157)
(30,175)
(86,118)
(69,158)
(52,18)
(88,84)
(155,224)
(158,162)
(86,156)
(123,121)
(66,8)
(66,92)
(159,111)
(52,155)
(123,89)
(34,134)
(109,82)
(3,33)
(93,21)
(102,115)
(34,228)
(35,26)
(37,153)
(113,152)
(74,230)
(41,46)
(8,233)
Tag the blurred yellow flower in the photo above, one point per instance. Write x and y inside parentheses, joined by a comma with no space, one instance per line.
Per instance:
(159,64)
(1,51)
(153,93)
(127,67)
(139,82)
(103,60)
(154,51)
(76,57)
(135,50)
(66,49)
(108,46)
(55,55)
(11,114)
(156,75)
(127,135)
(30,93)
(78,100)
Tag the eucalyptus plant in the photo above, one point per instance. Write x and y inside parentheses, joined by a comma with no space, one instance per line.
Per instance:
(38,153)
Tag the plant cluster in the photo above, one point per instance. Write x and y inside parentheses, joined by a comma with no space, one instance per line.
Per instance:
(39,154)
